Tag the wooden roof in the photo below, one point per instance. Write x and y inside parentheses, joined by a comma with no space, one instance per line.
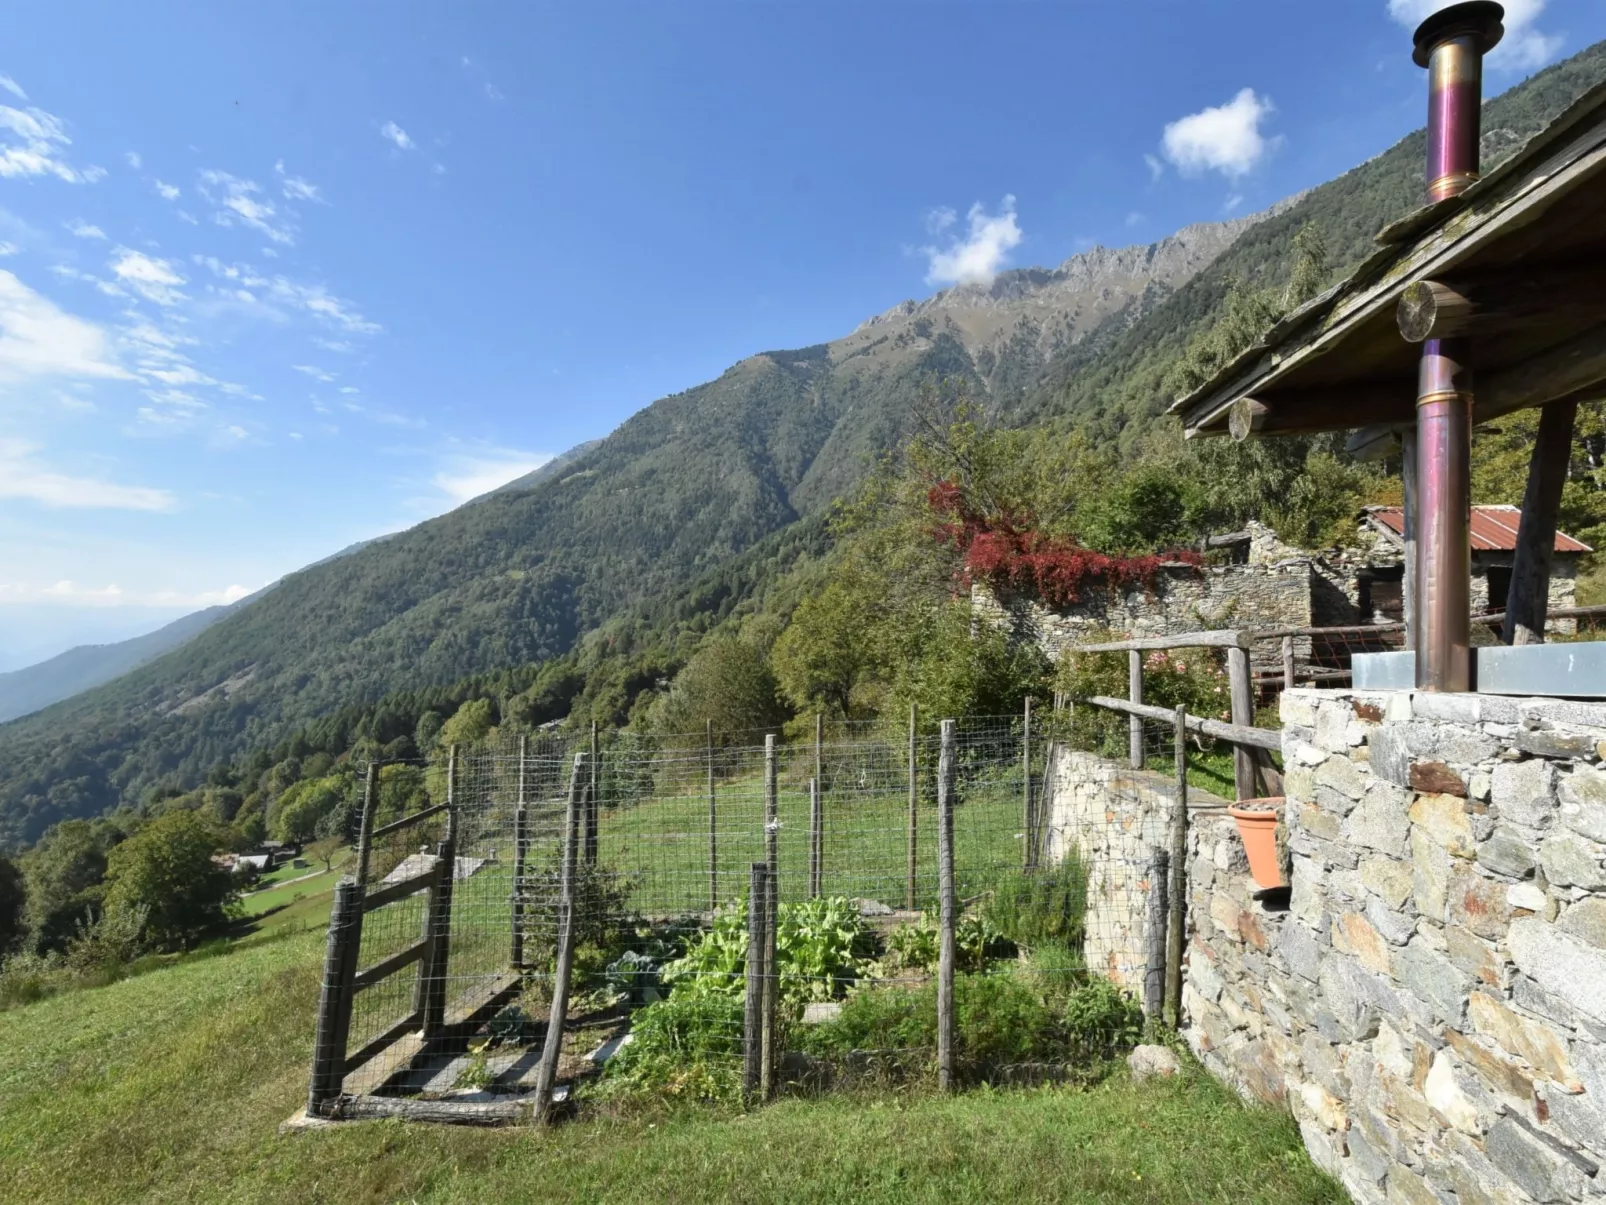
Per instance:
(1339,362)
(1494,528)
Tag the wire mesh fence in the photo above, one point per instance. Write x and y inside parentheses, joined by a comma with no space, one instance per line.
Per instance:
(605,884)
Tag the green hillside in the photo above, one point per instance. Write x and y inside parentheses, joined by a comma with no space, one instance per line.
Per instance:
(697,503)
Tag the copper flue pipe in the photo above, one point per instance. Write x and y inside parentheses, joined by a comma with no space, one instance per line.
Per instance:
(1451,45)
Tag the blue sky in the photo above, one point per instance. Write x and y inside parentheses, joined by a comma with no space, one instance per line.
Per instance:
(281,277)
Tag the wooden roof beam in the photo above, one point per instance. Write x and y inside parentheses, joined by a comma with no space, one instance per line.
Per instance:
(1499,301)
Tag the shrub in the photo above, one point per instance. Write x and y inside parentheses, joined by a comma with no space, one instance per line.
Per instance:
(166,872)
(685,1047)
(821,946)
(915,947)
(1048,907)
(1101,1019)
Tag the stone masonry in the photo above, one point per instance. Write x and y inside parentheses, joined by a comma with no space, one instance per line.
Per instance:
(1429,996)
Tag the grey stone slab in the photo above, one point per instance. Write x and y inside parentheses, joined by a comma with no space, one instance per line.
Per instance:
(1587,920)
(1433,978)
(1391,757)
(1545,1171)
(1300,952)
(1561,964)
(1553,742)
(1524,791)
(1507,852)
(1380,822)
(1571,861)
(1395,926)
(1583,802)
(1342,775)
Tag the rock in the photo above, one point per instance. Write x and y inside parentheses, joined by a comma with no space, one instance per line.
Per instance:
(1473,955)
(1527,1039)
(818,1012)
(1572,861)
(1583,803)
(1389,880)
(1507,852)
(1405,1187)
(1492,1067)
(1446,1097)
(1340,774)
(1354,934)
(1539,1169)
(1149,1061)
(1324,1106)
(1430,875)
(1547,742)
(1561,965)
(1582,1117)
(1528,896)
(1391,759)
(1479,904)
(1586,919)
(1319,822)
(1300,951)
(1380,822)
(1524,792)
(1444,818)
(1432,977)
(1436,778)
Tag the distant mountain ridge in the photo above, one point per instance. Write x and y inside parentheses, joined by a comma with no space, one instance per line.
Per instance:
(685,487)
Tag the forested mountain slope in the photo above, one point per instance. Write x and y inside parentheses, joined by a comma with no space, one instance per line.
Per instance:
(642,523)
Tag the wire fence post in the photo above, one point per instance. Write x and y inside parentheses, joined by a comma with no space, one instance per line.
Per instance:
(819,748)
(365,826)
(1156,968)
(753,1011)
(1029,816)
(713,828)
(521,841)
(772,835)
(914,808)
(1176,917)
(1134,679)
(949,909)
(334,1001)
(816,839)
(552,1049)
(431,994)
(593,798)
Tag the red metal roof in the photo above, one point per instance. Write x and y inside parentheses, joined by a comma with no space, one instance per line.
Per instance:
(1494,528)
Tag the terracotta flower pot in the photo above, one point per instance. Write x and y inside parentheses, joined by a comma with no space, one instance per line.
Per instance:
(1257,825)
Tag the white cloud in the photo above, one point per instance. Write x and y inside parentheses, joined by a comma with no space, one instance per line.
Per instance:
(940,219)
(332,344)
(7,249)
(23,476)
(83,229)
(470,475)
(1156,168)
(71,594)
(133,159)
(976,256)
(280,290)
(296,188)
(33,145)
(493,93)
(152,278)
(316,373)
(1522,49)
(390,130)
(168,192)
(38,339)
(1134,219)
(238,198)
(11,86)
(1232,202)
(1225,138)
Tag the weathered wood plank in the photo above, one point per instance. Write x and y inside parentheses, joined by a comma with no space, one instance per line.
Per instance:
(1185,640)
(1238,734)
(396,826)
(388,966)
(387,1039)
(1529,594)
(402,888)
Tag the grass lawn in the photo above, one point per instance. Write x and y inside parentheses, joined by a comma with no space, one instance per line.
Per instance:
(170,1087)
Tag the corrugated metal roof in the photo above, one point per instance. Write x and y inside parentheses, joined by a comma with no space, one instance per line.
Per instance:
(1494,528)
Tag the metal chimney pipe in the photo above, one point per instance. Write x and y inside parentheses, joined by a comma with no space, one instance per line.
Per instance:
(1451,45)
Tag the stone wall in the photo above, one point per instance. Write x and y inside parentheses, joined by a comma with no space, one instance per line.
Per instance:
(1429,995)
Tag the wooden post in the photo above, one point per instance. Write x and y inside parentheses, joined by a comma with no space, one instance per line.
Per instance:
(947,951)
(1288,663)
(1176,916)
(772,840)
(1159,934)
(1528,598)
(713,828)
(914,807)
(365,826)
(546,1074)
(1028,818)
(521,841)
(430,993)
(593,798)
(334,1001)
(1134,676)
(1242,693)
(819,749)
(816,839)
(753,1012)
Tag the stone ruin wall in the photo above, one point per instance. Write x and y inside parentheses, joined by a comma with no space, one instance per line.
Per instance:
(1429,997)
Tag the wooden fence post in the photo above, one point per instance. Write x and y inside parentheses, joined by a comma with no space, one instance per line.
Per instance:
(593,798)
(521,841)
(947,951)
(1177,915)
(753,1011)
(914,807)
(430,995)
(1159,935)
(1134,681)
(334,1001)
(1288,663)
(772,838)
(365,826)
(819,748)
(1242,695)
(713,828)
(546,1074)
(1029,817)
(816,839)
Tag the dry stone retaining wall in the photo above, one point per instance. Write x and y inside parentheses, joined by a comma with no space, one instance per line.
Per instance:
(1429,995)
